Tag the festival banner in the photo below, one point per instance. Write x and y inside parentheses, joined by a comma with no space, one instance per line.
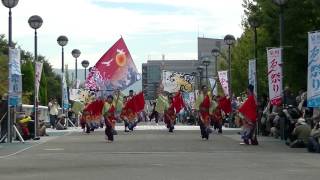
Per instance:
(15,79)
(214,86)
(313,97)
(175,81)
(79,95)
(65,94)
(223,77)
(114,70)
(252,74)
(275,75)
(39,66)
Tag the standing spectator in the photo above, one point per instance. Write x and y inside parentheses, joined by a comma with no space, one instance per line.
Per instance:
(53,112)
(3,116)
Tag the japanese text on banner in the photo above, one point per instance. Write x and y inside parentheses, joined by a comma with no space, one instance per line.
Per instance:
(223,77)
(314,70)
(275,75)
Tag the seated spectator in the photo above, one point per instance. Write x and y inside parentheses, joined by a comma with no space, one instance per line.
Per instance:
(313,144)
(300,134)
(42,128)
(60,125)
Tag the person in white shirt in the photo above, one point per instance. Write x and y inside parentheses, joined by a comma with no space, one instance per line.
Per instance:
(53,112)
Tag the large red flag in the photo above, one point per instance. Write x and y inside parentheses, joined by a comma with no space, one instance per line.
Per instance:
(225,105)
(139,102)
(136,103)
(114,70)
(249,109)
(178,102)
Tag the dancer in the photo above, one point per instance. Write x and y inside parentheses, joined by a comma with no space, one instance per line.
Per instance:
(109,117)
(170,115)
(203,105)
(249,111)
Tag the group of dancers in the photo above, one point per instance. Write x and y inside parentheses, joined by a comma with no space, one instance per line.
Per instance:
(129,110)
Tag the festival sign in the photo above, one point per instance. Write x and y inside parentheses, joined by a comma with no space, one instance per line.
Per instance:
(223,78)
(15,79)
(275,75)
(114,70)
(39,66)
(175,81)
(214,86)
(313,97)
(252,74)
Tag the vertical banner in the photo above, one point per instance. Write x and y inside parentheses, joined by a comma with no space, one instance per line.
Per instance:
(65,94)
(252,74)
(15,79)
(275,75)
(223,77)
(39,66)
(313,99)
(214,86)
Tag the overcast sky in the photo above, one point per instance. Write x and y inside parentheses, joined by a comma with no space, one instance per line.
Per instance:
(149,27)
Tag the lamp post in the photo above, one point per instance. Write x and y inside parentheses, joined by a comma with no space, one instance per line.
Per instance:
(254,23)
(9,4)
(215,53)
(35,23)
(85,64)
(200,70)
(206,64)
(62,41)
(229,40)
(281,4)
(76,53)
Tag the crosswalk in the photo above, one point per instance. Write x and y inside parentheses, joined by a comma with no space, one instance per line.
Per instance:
(142,128)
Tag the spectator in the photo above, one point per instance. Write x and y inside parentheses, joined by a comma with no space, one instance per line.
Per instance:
(53,107)
(300,134)
(61,123)
(3,116)
(313,144)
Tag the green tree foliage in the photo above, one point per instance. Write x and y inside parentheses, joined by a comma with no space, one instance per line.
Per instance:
(28,80)
(300,17)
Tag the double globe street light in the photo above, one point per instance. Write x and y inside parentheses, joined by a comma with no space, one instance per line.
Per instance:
(35,23)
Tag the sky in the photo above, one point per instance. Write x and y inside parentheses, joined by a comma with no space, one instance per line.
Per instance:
(150,28)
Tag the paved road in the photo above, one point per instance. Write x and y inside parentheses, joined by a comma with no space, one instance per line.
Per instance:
(158,155)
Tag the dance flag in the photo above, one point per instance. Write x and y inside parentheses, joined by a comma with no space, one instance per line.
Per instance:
(313,70)
(114,70)
(139,102)
(178,102)
(225,105)
(275,75)
(249,109)
(176,81)
(136,103)
(223,77)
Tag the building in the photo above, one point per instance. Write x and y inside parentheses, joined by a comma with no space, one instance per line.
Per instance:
(205,46)
(151,71)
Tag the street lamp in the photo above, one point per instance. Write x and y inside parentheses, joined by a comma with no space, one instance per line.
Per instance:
(76,53)
(9,4)
(206,63)
(254,23)
(62,41)
(35,23)
(229,40)
(215,53)
(200,70)
(281,4)
(85,64)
